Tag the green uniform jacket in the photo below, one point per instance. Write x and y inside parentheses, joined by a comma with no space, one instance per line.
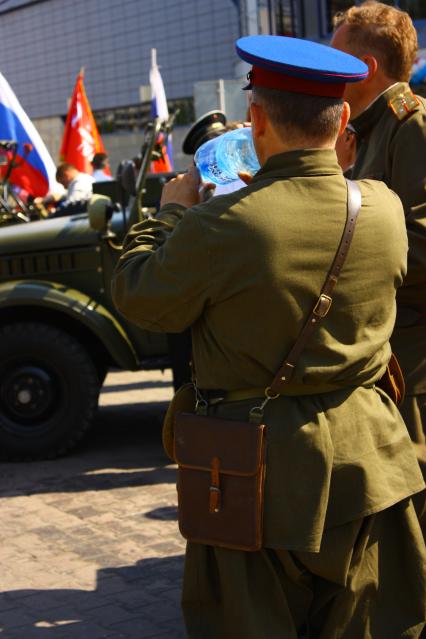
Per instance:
(394,150)
(243,270)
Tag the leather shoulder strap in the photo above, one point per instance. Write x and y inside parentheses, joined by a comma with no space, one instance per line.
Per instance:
(323,303)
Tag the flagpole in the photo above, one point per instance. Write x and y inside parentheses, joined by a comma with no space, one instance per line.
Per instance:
(160,112)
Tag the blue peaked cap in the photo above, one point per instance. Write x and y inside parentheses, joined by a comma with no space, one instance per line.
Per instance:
(299,65)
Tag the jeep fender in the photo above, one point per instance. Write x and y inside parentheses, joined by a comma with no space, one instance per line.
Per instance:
(75,304)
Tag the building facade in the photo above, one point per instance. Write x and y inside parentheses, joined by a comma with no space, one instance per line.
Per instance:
(44,43)
(313,18)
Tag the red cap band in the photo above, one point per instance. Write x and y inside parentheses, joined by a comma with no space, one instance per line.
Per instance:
(260,77)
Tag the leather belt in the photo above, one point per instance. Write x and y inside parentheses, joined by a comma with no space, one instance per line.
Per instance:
(214,396)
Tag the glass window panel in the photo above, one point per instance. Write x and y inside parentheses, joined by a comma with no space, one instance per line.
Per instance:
(285,17)
(334,6)
(416,8)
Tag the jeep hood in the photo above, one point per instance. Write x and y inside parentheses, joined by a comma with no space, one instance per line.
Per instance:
(55,233)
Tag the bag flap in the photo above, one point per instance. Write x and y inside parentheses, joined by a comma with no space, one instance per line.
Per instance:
(238,445)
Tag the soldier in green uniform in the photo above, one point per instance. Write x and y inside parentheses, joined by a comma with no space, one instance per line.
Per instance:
(390,122)
(342,554)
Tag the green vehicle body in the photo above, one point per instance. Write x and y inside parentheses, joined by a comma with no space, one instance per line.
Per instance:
(62,269)
(59,330)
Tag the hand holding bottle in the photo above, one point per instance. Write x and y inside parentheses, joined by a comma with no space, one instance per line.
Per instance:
(184,189)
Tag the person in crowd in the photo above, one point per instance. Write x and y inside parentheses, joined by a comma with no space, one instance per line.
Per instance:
(78,188)
(78,185)
(101,172)
(390,122)
(342,554)
(76,192)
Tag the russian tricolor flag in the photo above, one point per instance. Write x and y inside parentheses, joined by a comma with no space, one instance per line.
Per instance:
(159,110)
(36,170)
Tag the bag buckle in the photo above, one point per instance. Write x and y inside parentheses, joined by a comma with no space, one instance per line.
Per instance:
(322,306)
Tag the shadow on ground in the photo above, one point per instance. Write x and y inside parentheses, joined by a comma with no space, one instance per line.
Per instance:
(142,600)
(125,438)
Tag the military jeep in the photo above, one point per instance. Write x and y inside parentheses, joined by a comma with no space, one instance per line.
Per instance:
(59,330)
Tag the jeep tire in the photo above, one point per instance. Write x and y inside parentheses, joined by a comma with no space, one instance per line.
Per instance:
(49,388)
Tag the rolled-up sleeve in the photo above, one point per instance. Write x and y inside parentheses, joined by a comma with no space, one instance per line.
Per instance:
(162,279)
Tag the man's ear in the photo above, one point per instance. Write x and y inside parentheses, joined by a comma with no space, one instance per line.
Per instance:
(258,119)
(346,114)
(372,64)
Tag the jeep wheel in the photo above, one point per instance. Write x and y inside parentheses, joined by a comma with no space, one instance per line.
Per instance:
(49,391)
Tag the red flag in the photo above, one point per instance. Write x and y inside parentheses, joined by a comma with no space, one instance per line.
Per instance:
(81,136)
(163,164)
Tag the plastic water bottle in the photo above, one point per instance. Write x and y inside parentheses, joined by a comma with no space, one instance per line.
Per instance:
(221,159)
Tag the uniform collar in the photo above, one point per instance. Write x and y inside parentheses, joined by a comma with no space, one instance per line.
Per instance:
(372,114)
(300,163)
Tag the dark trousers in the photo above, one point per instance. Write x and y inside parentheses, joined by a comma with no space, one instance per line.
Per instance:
(413,411)
(367,582)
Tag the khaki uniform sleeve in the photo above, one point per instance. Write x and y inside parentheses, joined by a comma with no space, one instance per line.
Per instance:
(408,149)
(162,278)
(409,181)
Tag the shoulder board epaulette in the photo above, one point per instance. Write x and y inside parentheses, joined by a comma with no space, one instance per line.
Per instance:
(403,104)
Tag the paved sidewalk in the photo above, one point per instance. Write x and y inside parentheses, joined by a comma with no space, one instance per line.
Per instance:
(89,545)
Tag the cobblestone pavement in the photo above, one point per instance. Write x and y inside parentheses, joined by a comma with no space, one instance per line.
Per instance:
(89,545)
